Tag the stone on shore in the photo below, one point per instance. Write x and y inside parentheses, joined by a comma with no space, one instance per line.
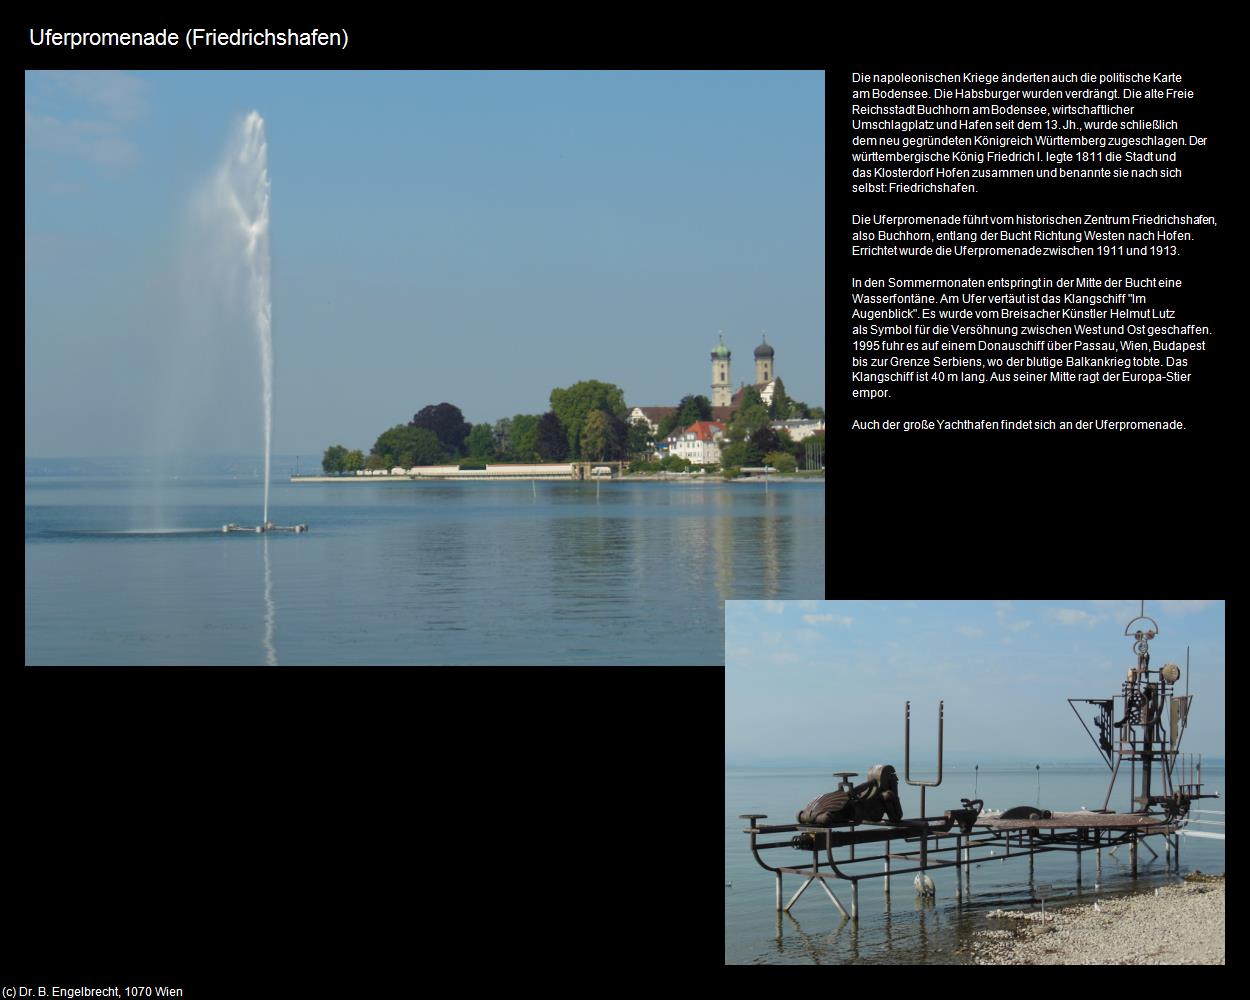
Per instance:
(1182,925)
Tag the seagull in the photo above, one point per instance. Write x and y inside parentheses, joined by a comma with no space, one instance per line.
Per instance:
(927,888)
(1096,909)
(729,885)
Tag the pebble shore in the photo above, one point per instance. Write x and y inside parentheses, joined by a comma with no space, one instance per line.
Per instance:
(1182,925)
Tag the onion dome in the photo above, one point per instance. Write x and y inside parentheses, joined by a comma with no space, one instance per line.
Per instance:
(764,351)
(720,350)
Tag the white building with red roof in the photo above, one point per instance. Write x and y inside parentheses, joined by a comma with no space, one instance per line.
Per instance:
(698,443)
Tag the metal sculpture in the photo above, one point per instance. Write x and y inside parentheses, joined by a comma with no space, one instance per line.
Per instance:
(850,818)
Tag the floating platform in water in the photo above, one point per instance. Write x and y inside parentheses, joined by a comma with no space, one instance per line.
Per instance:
(261,528)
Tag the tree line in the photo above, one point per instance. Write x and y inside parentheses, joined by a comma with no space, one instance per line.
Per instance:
(586,422)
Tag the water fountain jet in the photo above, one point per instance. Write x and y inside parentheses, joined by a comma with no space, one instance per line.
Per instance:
(241,195)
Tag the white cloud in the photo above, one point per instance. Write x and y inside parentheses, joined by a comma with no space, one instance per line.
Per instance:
(970,631)
(810,605)
(95,141)
(775,607)
(1003,611)
(1073,616)
(118,95)
(843,620)
(93,112)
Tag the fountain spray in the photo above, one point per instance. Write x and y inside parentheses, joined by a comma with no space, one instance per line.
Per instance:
(242,188)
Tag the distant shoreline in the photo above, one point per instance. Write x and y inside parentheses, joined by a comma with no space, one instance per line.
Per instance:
(660,477)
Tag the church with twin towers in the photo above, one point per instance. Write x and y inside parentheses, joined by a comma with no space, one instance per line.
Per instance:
(722,380)
(725,400)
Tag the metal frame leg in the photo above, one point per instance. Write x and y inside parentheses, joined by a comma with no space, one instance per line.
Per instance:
(959,853)
(829,893)
(795,898)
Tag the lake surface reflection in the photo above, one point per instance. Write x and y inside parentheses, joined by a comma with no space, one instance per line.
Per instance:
(429,573)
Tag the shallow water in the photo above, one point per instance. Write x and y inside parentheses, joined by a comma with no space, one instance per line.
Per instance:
(128,570)
(902,928)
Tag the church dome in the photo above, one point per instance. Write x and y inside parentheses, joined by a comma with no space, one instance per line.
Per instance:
(720,351)
(764,351)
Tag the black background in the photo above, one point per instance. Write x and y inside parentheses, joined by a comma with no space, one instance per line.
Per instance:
(227,830)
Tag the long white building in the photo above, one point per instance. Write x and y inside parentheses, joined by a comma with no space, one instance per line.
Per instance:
(799,429)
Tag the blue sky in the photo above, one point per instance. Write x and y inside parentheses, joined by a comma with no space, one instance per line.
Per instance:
(471,237)
(824,681)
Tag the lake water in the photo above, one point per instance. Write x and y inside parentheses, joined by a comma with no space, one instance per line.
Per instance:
(133,571)
(902,928)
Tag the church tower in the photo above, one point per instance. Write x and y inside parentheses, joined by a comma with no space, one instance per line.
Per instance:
(763,363)
(722,391)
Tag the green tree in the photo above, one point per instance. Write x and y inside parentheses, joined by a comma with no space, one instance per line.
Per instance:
(781,406)
(376,461)
(765,440)
(782,461)
(333,462)
(738,454)
(618,436)
(816,413)
(447,424)
(355,460)
(752,414)
(668,423)
(574,404)
(595,435)
(692,408)
(425,447)
(481,441)
(551,439)
(406,445)
(523,437)
(638,438)
(502,433)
